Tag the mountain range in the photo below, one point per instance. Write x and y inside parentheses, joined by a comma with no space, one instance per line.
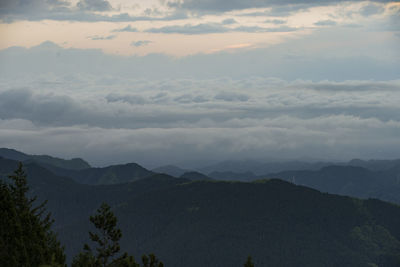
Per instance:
(73,164)
(219,223)
(358,178)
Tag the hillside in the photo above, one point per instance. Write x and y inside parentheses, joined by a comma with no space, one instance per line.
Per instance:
(72,164)
(195,176)
(115,174)
(349,181)
(170,170)
(251,168)
(208,223)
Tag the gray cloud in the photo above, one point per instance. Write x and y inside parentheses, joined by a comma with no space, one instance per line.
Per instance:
(225,5)
(128,28)
(203,28)
(141,43)
(371,9)
(94,5)
(228,21)
(84,10)
(97,37)
(262,29)
(219,100)
(325,138)
(325,23)
(127,119)
(231,97)
(208,28)
(21,7)
(275,21)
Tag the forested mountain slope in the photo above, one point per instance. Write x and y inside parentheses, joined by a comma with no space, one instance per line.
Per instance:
(208,223)
(349,181)
(73,164)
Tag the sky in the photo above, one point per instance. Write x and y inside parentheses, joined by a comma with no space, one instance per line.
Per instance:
(197,81)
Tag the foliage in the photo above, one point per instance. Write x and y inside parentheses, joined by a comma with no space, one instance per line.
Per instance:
(108,236)
(249,262)
(151,261)
(217,223)
(26,235)
(107,239)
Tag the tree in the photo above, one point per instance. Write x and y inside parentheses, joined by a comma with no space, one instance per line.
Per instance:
(249,262)
(151,261)
(26,235)
(107,239)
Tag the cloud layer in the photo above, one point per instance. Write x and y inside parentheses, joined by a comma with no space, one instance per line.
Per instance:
(175,121)
(228,5)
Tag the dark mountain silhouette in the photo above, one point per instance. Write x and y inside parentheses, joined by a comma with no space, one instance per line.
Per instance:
(114,174)
(210,223)
(170,170)
(350,181)
(261,168)
(72,164)
(233,176)
(375,165)
(195,176)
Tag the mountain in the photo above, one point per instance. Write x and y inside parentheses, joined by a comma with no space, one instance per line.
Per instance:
(195,176)
(349,180)
(170,170)
(72,164)
(233,176)
(115,174)
(214,223)
(375,165)
(261,168)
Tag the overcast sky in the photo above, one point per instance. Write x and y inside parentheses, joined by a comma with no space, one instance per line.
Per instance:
(172,82)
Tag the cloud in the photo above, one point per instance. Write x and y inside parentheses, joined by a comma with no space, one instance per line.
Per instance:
(314,56)
(371,9)
(275,21)
(141,43)
(94,5)
(128,28)
(208,28)
(84,10)
(323,138)
(228,21)
(158,121)
(131,99)
(227,5)
(97,37)
(20,7)
(232,97)
(262,29)
(325,23)
(203,28)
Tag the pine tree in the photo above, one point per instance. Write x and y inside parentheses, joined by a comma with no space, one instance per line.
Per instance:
(249,262)
(26,235)
(107,238)
(151,261)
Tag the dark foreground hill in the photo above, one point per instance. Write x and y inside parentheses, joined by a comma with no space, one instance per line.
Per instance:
(208,223)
